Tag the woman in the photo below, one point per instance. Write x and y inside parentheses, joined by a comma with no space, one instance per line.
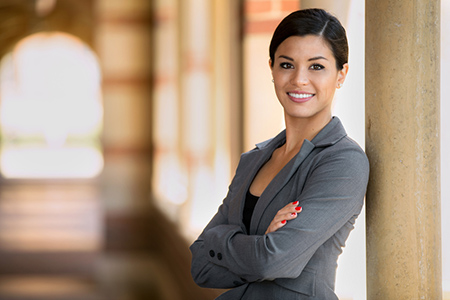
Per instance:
(294,199)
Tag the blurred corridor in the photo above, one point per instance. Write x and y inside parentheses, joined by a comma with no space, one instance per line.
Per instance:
(78,219)
(121,124)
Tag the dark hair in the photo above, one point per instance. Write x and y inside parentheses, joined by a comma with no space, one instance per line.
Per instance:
(315,22)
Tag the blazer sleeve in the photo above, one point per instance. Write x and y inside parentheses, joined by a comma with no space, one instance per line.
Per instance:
(333,194)
(205,272)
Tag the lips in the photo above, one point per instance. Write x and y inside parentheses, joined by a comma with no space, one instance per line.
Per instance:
(300,96)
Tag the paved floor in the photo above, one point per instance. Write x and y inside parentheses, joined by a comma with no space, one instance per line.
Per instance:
(62,241)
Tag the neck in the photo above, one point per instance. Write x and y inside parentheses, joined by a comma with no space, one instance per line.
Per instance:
(299,129)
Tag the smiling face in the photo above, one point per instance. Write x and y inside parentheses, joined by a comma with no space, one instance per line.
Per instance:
(305,77)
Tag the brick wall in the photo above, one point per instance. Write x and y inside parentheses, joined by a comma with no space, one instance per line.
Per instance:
(262,16)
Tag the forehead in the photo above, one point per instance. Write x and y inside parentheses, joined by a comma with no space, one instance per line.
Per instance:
(308,45)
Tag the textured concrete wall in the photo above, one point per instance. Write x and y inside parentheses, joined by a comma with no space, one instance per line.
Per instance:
(402,142)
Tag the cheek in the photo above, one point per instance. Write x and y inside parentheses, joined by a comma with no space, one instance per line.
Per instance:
(279,92)
(326,89)
(278,76)
(327,84)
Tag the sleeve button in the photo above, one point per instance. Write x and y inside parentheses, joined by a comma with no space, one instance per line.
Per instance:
(219,256)
(211,253)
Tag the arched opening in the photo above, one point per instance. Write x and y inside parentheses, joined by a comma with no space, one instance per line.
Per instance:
(50,109)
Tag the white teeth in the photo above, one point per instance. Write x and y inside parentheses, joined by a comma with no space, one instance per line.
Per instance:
(300,96)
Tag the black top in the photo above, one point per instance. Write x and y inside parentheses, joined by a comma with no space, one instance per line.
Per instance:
(249,206)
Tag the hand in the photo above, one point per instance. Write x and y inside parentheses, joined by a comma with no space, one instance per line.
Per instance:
(285,214)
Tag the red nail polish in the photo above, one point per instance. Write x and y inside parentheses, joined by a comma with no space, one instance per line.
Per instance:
(283,222)
(295,203)
(293,214)
(298,208)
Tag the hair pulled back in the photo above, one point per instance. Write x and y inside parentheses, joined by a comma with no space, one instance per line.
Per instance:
(313,22)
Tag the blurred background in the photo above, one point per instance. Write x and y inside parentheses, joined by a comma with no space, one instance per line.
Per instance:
(121,125)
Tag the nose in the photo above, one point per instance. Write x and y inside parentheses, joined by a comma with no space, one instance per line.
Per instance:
(300,77)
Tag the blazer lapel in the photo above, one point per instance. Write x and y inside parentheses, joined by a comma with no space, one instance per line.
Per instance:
(248,173)
(280,180)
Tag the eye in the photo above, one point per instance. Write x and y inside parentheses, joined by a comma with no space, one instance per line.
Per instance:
(286,65)
(317,67)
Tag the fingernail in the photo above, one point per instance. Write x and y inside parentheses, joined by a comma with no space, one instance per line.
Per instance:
(283,222)
(293,214)
(298,208)
(295,203)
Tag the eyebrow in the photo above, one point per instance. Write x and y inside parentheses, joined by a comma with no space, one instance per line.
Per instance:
(311,59)
(317,58)
(286,57)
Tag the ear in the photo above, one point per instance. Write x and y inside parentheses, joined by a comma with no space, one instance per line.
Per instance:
(342,74)
(271,67)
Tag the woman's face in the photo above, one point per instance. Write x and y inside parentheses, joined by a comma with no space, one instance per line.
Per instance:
(305,76)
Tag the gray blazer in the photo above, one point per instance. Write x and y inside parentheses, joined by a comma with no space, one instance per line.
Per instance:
(329,177)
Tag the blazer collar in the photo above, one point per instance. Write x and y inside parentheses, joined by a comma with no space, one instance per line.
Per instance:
(332,133)
(329,135)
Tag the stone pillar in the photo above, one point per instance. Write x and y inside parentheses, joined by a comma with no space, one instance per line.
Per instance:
(402,142)
(123,41)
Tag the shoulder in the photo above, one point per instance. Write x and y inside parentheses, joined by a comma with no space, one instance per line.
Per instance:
(333,141)
(345,156)
(348,147)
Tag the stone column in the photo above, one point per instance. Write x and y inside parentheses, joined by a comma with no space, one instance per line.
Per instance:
(402,142)
(123,42)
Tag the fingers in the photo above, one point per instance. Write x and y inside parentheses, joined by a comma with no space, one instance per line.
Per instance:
(287,213)
(275,225)
(290,215)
